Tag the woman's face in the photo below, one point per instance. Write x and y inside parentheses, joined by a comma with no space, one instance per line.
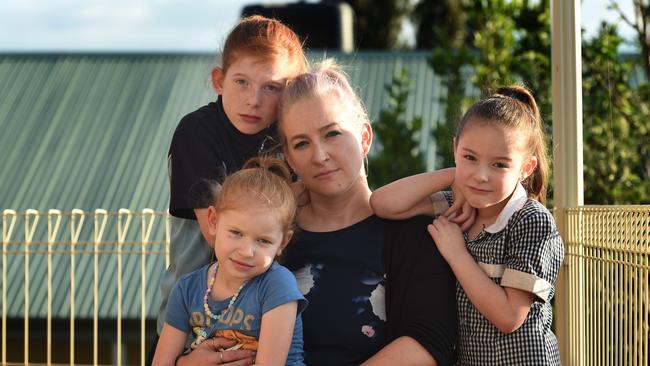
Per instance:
(325,144)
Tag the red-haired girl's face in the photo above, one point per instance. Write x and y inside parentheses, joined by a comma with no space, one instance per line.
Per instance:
(251,89)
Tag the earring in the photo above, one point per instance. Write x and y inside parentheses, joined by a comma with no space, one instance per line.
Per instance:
(365,164)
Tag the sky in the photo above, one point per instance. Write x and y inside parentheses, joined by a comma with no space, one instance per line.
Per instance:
(156,25)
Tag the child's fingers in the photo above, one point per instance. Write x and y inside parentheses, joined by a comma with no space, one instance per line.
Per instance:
(218,343)
(433,232)
(455,207)
(470,221)
(461,215)
(437,225)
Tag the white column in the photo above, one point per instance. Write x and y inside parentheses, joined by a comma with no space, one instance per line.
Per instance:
(567,154)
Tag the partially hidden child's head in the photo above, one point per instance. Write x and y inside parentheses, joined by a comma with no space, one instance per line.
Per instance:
(500,142)
(259,57)
(252,217)
(324,126)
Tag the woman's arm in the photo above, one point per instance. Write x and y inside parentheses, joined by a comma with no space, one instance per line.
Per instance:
(276,334)
(408,197)
(420,298)
(170,346)
(402,351)
(209,353)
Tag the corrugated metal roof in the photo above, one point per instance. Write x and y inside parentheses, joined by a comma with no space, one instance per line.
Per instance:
(92,131)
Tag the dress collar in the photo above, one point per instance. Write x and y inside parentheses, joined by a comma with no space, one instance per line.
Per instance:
(515,203)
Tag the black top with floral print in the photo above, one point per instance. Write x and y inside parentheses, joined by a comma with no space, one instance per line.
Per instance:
(370,283)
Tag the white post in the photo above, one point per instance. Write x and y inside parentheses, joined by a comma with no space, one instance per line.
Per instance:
(567,149)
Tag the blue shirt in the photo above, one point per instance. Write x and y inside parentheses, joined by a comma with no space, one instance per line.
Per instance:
(267,291)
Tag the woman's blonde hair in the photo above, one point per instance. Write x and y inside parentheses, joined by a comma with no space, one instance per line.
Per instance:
(325,79)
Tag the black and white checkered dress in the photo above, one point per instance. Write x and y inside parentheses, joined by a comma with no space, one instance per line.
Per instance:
(522,250)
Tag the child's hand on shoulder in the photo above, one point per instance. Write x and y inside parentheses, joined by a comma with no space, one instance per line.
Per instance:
(460,212)
(448,237)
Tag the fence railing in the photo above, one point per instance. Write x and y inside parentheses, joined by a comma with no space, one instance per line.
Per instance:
(53,262)
(61,260)
(608,265)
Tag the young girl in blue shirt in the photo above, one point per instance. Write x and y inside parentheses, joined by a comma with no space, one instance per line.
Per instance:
(245,295)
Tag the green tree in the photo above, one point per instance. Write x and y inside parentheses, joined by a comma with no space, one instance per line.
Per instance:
(511,43)
(497,42)
(378,23)
(396,152)
(641,25)
(616,129)
(438,23)
(504,42)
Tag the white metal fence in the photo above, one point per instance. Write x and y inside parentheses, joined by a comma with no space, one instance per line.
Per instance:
(114,259)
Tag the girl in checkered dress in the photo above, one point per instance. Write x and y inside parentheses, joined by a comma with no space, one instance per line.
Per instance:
(494,231)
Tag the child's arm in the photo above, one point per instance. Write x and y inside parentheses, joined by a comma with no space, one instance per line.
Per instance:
(506,308)
(408,197)
(276,334)
(170,346)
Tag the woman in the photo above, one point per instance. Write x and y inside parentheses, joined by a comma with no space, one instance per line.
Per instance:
(379,292)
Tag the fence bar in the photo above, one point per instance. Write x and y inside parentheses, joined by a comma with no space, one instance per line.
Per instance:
(52,231)
(148,217)
(616,244)
(122,229)
(7,232)
(100,219)
(76,223)
(30,215)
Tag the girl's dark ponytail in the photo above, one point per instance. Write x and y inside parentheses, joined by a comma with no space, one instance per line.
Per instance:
(536,183)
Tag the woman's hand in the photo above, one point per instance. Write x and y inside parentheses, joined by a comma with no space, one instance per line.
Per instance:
(460,212)
(448,237)
(209,353)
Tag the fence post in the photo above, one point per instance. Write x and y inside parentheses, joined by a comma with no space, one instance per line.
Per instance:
(566,71)
(76,223)
(122,230)
(146,228)
(98,234)
(7,231)
(52,231)
(29,235)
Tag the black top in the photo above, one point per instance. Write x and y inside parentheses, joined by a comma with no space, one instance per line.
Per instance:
(369,284)
(206,147)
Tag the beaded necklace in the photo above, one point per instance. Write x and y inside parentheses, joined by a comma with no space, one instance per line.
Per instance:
(206,307)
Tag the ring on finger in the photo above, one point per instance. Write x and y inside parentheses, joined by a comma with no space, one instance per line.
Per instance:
(221,356)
